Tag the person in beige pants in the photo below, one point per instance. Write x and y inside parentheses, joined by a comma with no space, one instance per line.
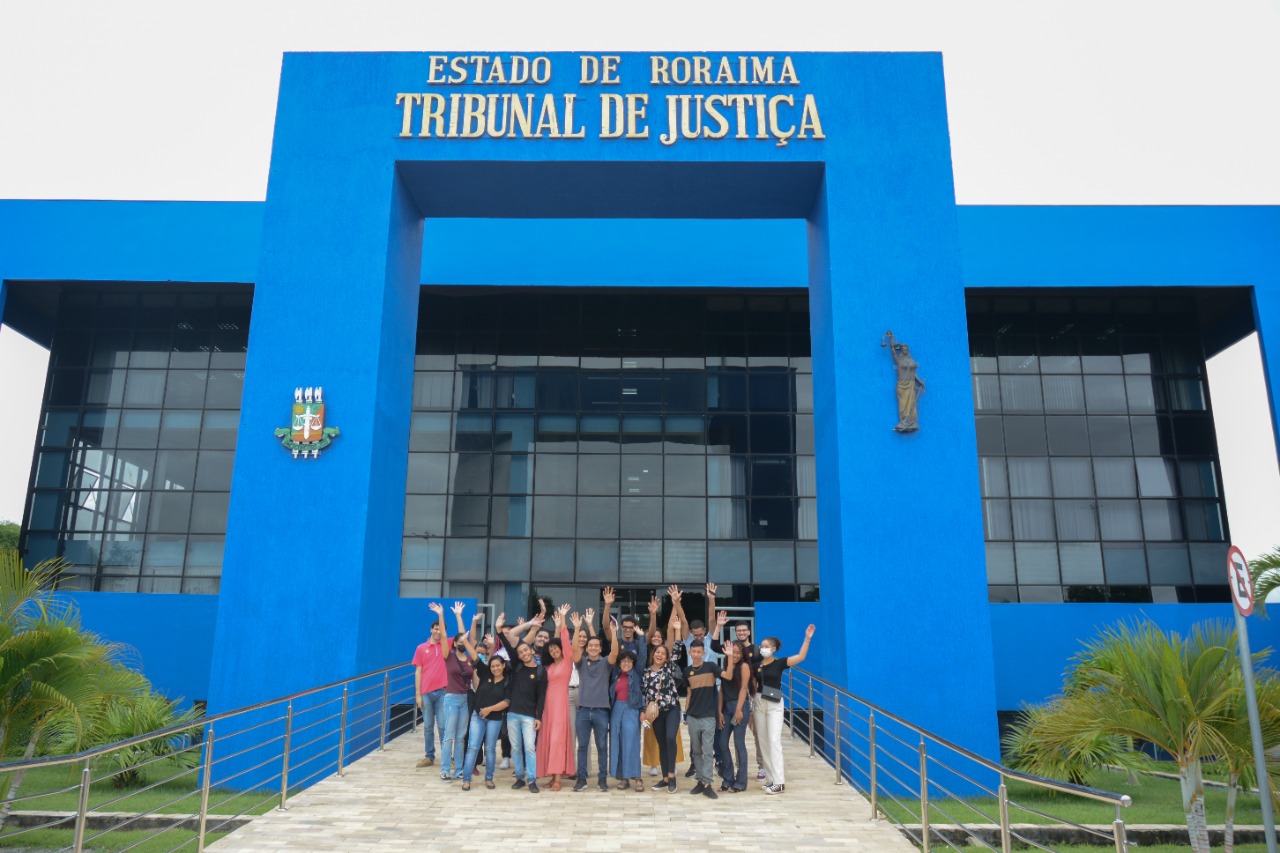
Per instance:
(769,725)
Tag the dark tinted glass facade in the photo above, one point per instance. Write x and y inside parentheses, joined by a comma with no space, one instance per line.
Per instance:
(566,438)
(1098,459)
(132,471)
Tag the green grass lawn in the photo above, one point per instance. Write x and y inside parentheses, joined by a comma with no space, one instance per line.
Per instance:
(59,839)
(1154,801)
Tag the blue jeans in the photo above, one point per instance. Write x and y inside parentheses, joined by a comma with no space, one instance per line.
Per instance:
(524,749)
(624,732)
(593,721)
(483,730)
(738,734)
(432,719)
(454,710)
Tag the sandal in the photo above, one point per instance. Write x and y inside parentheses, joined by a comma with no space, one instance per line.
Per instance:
(623,784)
(724,789)
(466,786)
(639,785)
(488,783)
(554,786)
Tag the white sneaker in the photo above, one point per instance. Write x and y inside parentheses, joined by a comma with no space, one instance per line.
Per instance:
(653,771)
(505,765)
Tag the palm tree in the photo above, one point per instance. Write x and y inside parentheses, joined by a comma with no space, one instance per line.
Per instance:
(1265,572)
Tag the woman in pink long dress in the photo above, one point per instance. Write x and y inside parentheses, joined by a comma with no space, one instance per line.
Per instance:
(555,743)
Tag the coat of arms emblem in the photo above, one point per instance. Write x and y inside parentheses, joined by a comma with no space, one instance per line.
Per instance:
(307,435)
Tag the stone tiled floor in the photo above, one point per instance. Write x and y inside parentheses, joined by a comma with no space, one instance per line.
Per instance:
(384,803)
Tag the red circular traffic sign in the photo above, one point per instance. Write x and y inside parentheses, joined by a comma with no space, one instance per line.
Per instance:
(1239,581)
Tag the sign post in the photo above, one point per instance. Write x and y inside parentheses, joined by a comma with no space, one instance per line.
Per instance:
(1242,594)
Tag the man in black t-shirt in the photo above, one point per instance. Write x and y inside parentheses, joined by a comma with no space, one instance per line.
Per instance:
(700,716)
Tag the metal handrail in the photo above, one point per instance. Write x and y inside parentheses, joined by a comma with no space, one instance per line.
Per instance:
(912,748)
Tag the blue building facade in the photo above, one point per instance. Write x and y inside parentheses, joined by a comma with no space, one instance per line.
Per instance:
(588,319)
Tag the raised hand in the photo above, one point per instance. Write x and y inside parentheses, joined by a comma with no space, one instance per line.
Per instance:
(590,615)
(500,621)
(609,596)
(674,592)
(711,589)
(457,608)
(675,625)
(722,618)
(542,607)
(436,607)
(576,618)
(808,632)
(477,617)
(488,640)
(654,605)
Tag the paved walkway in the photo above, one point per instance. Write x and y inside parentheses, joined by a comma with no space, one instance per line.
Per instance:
(384,803)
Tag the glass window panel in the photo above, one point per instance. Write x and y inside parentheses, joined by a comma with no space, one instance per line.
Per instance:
(598,517)
(163,555)
(51,469)
(773,562)
(557,390)
(684,518)
(1029,478)
(640,561)
(1119,520)
(209,512)
(106,388)
(727,434)
(552,559)
(220,429)
(41,547)
(771,434)
(473,432)
(118,584)
(1207,562)
(422,558)
(995,520)
(806,564)
(729,562)
(470,473)
(1147,438)
(772,518)
(429,473)
(642,517)
(1068,436)
(1169,564)
(641,391)
(514,433)
(110,348)
(429,431)
(214,470)
(986,393)
(1024,436)
(509,559)
(46,510)
(1000,562)
(175,470)
(1037,562)
(804,434)
(225,389)
(1194,435)
(1198,477)
(1204,521)
(514,390)
(1072,477)
(806,476)
(1109,436)
(1032,519)
(807,523)
(1186,395)
(1076,520)
(685,475)
(424,515)
(771,476)
(601,391)
(684,562)
(726,390)
(1063,394)
(139,428)
(727,475)
(1156,478)
(642,475)
(512,516)
(464,559)
(468,515)
(433,391)
(804,392)
(1115,478)
(597,561)
(1105,394)
(727,518)
(1081,562)
(599,434)
(59,427)
(1125,564)
(598,475)
(685,434)
(685,390)
(770,391)
(1021,394)
(1141,394)
(553,516)
(170,512)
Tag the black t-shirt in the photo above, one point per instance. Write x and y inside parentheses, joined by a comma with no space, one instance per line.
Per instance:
(770,671)
(491,693)
(701,681)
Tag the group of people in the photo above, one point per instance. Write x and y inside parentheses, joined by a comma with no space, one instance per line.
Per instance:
(544,693)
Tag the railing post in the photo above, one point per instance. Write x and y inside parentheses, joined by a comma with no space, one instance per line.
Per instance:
(342,732)
(1117,828)
(382,727)
(1006,837)
(284,767)
(924,797)
(791,701)
(204,789)
(82,810)
(871,739)
(812,727)
(839,751)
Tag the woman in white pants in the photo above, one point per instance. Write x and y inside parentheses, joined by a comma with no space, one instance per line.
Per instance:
(769,714)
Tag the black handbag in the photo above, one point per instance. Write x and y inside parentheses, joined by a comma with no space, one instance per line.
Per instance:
(773,694)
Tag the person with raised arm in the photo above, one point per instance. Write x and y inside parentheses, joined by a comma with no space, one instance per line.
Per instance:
(735,712)
(770,713)
(593,702)
(429,681)
(626,692)
(662,681)
(459,667)
(524,716)
(751,656)
(555,747)
(491,698)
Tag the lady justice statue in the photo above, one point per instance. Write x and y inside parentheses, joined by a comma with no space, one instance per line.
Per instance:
(910,386)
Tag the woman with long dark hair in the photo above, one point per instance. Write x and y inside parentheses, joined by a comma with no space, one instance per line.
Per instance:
(661,681)
(626,693)
(491,698)
(555,743)
(770,711)
(735,716)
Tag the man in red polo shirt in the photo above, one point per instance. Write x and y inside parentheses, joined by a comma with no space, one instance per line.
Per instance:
(429,681)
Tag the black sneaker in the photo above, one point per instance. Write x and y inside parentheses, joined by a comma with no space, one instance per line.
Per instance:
(688,774)
(580,786)
(604,786)
(659,785)
(698,788)
(671,786)
(710,792)
(774,789)
(533,787)
(519,783)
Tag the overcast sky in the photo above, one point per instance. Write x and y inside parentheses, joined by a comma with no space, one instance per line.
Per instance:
(1081,102)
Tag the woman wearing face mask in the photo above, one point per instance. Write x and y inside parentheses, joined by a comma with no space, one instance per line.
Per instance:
(555,745)
(490,699)
(459,668)
(769,711)
(626,693)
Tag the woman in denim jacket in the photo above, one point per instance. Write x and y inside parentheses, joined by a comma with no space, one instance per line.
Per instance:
(626,693)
